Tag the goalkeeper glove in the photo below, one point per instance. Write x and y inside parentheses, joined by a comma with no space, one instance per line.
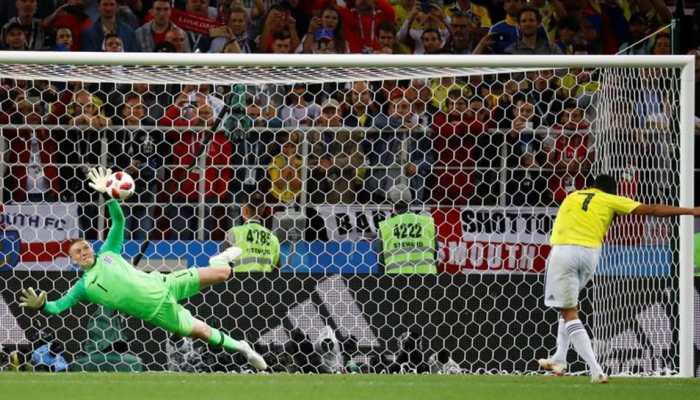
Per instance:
(30,299)
(98,178)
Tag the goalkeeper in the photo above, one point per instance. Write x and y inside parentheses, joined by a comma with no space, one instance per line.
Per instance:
(111,281)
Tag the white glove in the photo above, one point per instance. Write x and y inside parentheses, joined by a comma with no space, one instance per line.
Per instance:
(98,178)
(30,299)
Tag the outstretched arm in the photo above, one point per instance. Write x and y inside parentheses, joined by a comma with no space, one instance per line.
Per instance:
(115,238)
(30,299)
(99,178)
(662,210)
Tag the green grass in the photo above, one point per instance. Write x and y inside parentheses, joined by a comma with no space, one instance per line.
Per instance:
(171,386)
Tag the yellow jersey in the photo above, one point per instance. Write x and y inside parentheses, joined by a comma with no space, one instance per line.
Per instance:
(585,216)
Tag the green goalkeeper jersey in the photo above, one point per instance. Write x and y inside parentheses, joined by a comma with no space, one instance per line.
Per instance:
(113,282)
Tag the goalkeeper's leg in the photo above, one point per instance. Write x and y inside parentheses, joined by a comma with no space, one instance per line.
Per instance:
(215,337)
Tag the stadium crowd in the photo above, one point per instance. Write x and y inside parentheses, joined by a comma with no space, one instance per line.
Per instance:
(506,139)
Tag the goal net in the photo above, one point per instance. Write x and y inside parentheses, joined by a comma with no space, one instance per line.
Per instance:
(487,147)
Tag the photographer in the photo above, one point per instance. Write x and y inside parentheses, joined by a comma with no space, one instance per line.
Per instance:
(425,16)
(325,34)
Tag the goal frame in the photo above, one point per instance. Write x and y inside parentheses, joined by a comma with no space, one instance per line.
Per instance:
(686,63)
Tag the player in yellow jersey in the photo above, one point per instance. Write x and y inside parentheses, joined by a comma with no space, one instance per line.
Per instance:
(577,236)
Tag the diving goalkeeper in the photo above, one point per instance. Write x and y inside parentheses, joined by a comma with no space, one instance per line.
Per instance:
(111,281)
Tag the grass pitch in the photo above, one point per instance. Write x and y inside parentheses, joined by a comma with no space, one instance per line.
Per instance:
(172,386)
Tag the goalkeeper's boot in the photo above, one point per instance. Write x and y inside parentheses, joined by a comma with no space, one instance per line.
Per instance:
(225,258)
(254,359)
(555,367)
(599,377)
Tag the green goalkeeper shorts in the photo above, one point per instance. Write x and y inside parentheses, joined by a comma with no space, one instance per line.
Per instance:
(171,316)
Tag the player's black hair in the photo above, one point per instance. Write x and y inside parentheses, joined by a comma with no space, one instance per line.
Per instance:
(606,183)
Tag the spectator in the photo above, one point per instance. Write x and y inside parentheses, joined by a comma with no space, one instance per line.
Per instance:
(504,33)
(329,28)
(360,23)
(521,135)
(527,184)
(178,39)
(93,37)
(638,29)
(552,12)
(661,45)
(140,153)
(198,35)
(86,111)
(73,16)
(201,8)
(454,146)
(34,33)
(285,170)
(402,9)
(279,19)
(440,88)
(153,33)
(63,39)
(281,43)
(590,35)
(432,41)
(401,153)
(542,93)
(345,171)
(426,18)
(655,11)
(529,23)
(460,41)
(360,109)
(14,38)
(479,15)
(298,110)
(236,31)
(112,44)
(578,83)
(568,29)
(387,40)
(181,187)
(330,115)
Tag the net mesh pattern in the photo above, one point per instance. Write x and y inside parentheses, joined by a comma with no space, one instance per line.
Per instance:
(488,153)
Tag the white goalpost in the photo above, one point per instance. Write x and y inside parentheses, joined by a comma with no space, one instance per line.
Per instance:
(486,145)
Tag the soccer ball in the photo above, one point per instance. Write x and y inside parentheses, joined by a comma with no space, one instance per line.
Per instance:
(120,185)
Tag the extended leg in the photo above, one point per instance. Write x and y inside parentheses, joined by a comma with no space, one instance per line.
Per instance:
(214,337)
(557,362)
(582,343)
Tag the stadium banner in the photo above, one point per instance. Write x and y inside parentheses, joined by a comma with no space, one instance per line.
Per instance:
(192,22)
(347,222)
(493,239)
(374,310)
(37,235)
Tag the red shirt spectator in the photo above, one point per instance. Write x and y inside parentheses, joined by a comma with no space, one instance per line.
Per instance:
(72,16)
(361,23)
(184,184)
(454,142)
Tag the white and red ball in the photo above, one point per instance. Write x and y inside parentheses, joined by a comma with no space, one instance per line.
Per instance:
(120,185)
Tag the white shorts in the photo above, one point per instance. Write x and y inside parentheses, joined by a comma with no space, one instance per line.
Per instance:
(569,269)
